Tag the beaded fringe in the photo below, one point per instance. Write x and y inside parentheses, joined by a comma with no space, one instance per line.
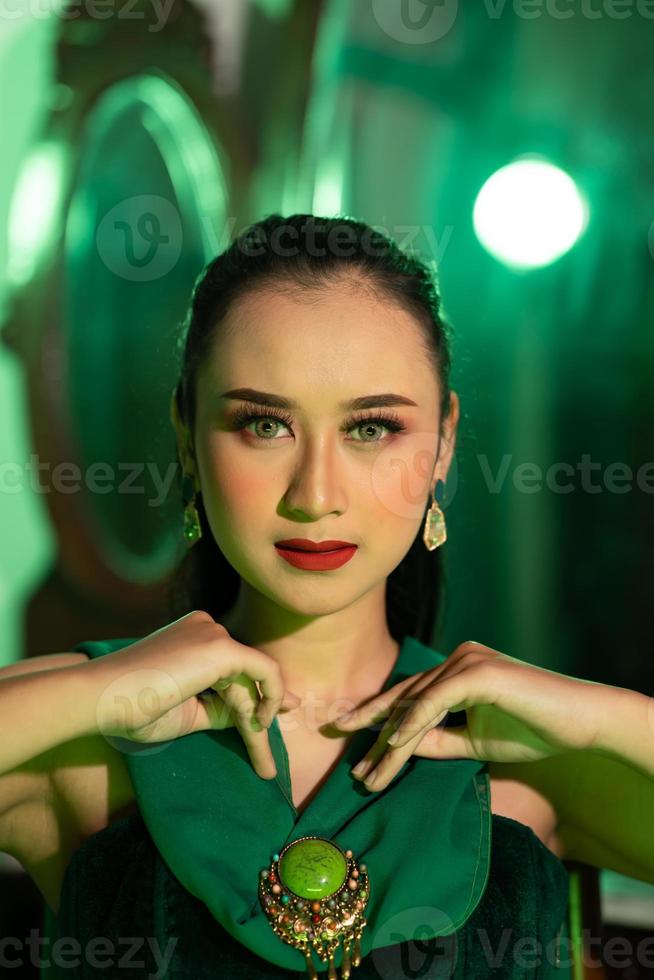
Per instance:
(332,972)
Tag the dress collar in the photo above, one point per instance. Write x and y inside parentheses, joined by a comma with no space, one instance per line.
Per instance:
(425,838)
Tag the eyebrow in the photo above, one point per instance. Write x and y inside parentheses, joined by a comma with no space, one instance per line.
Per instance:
(276,401)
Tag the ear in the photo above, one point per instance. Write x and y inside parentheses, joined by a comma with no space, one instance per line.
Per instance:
(448,439)
(183,436)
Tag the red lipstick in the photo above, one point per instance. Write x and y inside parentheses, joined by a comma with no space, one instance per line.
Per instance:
(306,544)
(315,555)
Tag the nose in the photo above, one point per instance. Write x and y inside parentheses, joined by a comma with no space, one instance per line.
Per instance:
(317,485)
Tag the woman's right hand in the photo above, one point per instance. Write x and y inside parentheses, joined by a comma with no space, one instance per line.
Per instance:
(151,691)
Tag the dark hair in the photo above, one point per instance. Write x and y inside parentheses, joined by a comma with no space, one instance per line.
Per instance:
(305,252)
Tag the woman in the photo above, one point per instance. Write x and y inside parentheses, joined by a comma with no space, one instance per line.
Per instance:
(314,414)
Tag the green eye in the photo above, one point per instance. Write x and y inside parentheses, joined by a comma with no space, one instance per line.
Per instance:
(244,417)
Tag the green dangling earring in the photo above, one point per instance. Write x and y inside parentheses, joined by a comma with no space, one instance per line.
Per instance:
(434,532)
(192,530)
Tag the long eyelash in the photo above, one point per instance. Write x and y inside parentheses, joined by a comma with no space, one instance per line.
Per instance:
(243,416)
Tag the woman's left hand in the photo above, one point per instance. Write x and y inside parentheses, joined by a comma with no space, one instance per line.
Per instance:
(515,712)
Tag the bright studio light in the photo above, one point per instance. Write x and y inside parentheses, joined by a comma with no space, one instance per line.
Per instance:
(529,213)
(33,210)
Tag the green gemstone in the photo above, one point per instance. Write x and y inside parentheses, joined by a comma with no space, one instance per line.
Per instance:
(313,868)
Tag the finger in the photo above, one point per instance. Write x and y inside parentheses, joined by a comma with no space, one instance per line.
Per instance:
(247,663)
(215,713)
(437,743)
(377,708)
(403,732)
(289,698)
(464,688)
(267,709)
(257,744)
(376,751)
(446,743)
(256,739)
(386,768)
(242,697)
(268,677)
(212,713)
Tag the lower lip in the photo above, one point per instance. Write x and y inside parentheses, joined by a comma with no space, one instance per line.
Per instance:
(317,561)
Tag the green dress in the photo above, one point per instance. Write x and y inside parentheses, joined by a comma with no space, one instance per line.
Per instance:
(455,891)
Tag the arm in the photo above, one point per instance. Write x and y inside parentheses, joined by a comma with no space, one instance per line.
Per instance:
(604,796)
(628,733)
(40,709)
(47,661)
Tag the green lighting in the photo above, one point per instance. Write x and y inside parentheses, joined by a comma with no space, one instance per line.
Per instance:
(148,210)
(34,210)
(275,9)
(529,213)
(328,190)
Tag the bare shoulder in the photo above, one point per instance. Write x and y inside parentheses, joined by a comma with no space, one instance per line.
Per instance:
(88,788)
(520,792)
(79,788)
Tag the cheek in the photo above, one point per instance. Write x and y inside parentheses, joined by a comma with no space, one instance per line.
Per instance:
(390,490)
(243,490)
(400,481)
(231,479)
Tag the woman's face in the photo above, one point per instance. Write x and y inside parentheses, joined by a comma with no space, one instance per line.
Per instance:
(325,472)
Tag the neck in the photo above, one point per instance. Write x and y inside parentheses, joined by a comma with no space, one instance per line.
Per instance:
(344,656)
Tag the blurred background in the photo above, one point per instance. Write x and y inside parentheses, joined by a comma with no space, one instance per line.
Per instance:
(509,143)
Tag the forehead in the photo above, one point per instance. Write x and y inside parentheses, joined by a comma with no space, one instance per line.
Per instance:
(306,344)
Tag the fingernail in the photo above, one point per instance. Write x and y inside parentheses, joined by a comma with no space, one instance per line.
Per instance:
(393,739)
(361,768)
(345,717)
